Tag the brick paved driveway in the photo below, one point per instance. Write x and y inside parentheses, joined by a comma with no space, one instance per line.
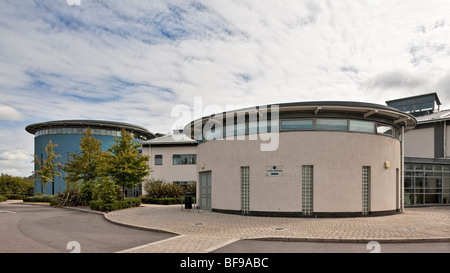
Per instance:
(206,231)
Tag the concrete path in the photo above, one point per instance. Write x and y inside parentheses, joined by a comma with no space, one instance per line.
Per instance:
(204,231)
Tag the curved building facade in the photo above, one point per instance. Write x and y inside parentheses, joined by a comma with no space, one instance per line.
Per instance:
(313,159)
(68,134)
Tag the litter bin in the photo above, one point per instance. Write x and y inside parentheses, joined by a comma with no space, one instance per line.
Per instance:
(188,200)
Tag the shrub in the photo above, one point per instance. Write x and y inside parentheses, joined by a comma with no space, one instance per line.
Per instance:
(116,205)
(69,197)
(107,191)
(3,198)
(16,196)
(164,201)
(192,188)
(87,191)
(161,189)
(39,198)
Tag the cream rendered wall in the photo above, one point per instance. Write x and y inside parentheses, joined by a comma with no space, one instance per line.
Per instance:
(420,143)
(167,171)
(337,158)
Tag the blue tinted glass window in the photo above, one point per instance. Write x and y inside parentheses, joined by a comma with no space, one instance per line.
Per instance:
(331,124)
(302,124)
(362,126)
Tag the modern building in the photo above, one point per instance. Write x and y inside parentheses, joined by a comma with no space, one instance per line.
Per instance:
(313,159)
(173,158)
(427,157)
(68,134)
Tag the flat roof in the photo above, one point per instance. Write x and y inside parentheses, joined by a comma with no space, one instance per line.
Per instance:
(33,128)
(363,108)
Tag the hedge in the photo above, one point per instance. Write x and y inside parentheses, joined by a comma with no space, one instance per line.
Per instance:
(164,201)
(14,196)
(3,198)
(39,198)
(116,205)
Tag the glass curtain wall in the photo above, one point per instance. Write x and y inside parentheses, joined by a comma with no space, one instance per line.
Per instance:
(427,184)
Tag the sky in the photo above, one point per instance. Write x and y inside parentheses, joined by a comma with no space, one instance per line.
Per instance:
(134,61)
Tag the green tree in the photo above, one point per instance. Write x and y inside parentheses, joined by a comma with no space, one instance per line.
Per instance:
(107,191)
(125,166)
(48,167)
(15,185)
(87,166)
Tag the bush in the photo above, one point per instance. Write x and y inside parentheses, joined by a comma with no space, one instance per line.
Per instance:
(116,205)
(16,196)
(86,191)
(3,198)
(107,191)
(164,201)
(69,197)
(161,189)
(40,198)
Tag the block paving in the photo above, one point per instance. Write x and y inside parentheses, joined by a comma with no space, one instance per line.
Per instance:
(198,231)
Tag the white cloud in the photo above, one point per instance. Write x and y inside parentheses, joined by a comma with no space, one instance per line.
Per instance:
(134,60)
(9,113)
(16,162)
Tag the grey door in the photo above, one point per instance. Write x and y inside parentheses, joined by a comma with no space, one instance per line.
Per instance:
(205,191)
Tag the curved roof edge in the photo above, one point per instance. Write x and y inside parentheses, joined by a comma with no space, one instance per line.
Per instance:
(33,128)
(364,108)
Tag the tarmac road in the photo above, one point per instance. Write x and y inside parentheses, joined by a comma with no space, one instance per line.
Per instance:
(42,229)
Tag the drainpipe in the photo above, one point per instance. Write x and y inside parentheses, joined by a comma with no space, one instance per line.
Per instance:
(445,138)
(402,172)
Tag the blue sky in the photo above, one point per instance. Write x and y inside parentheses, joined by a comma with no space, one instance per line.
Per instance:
(133,61)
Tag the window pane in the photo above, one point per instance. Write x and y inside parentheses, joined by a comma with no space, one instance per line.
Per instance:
(446,199)
(419,182)
(409,182)
(303,124)
(331,124)
(253,127)
(433,199)
(158,159)
(240,129)
(362,126)
(213,134)
(184,159)
(384,130)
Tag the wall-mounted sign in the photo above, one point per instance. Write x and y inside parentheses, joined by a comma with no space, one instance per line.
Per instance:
(274,170)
